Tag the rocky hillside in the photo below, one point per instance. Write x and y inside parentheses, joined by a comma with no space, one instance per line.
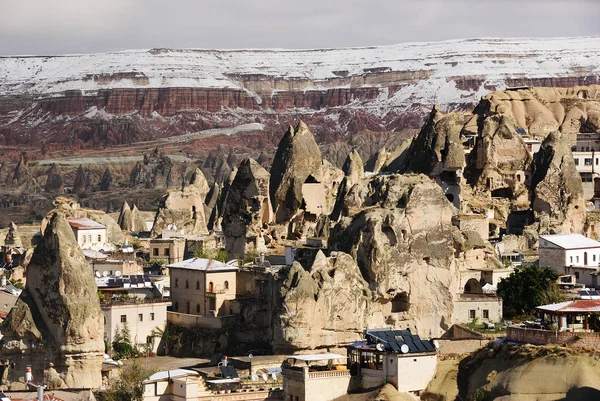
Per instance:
(125,97)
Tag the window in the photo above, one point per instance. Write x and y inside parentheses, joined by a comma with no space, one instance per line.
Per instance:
(177,280)
(594,258)
(141,317)
(576,162)
(210,286)
(486,314)
(226,285)
(167,251)
(154,251)
(197,308)
(576,275)
(151,315)
(577,258)
(596,161)
(83,236)
(187,283)
(197,285)
(571,259)
(90,238)
(587,162)
(99,238)
(472,314)
(176,306)
(104,319)
(123,318)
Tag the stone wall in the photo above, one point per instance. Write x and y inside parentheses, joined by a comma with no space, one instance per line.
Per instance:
(461,346)
(463,307)
(544,337)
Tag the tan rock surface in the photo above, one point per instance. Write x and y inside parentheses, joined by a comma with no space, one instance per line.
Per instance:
(57,317)
(248,208)
(399,230)
(327,305)
(556,188)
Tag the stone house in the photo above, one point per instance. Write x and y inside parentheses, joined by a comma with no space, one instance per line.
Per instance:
(90,234)
(203,287)
(142,316)
(170,250)
(391,356)
(310,377)
(571,254)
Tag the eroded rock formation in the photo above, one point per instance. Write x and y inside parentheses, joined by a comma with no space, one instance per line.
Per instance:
(248,208)
(184,208)
(57,318)
(556,189)
(54,180)
(327,305)
(398,227)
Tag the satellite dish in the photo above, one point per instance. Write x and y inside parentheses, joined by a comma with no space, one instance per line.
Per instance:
(404,349)
(174,227)
(118,273)
(380,347)
(436,344)
(170,227)
(97,274)
(104,273)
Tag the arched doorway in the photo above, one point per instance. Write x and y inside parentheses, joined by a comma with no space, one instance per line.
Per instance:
(473,286)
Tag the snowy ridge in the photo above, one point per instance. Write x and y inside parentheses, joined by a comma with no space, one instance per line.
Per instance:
(433,65)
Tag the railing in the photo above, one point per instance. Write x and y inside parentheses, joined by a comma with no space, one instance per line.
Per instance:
(132,301)
(324,374)
(328,374)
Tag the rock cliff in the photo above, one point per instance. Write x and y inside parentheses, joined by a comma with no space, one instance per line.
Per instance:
(57,318)
(297,158)
(124,97)
(556,188)
(325,305)
(248,209)
(398,227)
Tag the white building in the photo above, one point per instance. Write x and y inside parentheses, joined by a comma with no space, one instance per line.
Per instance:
(175,385)
(322,377)
(391,356)
(571,254)
(141,317)
(90,234)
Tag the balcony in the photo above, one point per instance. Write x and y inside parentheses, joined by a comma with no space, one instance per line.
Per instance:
(312,373)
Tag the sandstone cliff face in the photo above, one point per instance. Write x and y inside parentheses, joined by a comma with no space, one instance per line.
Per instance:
(297,158)
(54,180)
(57,318)
(512,373)
(499,160)
(545,110)
(399,230)
(438,146)
(327,305)
(184,209)
(247,209)
(137,96)
(556,188)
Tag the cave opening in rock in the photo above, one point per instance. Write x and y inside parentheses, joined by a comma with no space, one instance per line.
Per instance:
(473,286)
(400,303)
(502,193)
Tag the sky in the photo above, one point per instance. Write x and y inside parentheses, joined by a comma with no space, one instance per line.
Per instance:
(83,26)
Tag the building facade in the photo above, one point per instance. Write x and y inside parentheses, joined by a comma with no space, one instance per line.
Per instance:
(140,316)
(90,234)
(170,250)
(571,254)
(203,287)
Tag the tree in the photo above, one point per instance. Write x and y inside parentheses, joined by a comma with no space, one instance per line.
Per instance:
(129,385)
(527,288)
(122,346)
